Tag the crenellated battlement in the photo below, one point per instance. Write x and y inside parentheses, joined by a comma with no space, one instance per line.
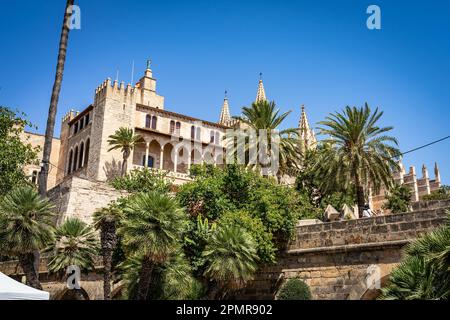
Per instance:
(70,115)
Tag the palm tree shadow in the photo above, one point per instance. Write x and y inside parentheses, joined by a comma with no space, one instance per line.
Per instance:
(112,169)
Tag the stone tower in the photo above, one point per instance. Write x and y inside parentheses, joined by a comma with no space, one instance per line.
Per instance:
(115,107)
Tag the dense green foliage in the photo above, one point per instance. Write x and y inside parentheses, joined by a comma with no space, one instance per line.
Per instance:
(442,194)
(294,289)
(14,153)
(143,180)
(398,199)
(238,195)
(425,270)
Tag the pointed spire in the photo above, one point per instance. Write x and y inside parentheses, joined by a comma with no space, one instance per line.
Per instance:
(306,134)
(424,172)
(437,175)
(225,117)
(261,94)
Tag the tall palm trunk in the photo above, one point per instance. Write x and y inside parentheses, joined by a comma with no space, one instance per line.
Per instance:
(27,263)
(108,240)
(43,174)
(145,279)
(360,197)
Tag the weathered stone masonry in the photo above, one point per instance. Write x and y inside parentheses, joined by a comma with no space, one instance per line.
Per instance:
(336,258)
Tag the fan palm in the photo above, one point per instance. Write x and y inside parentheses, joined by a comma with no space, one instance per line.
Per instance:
(107,220)
(126,140)
(75,245)
(230,258)
(151,228)
(172,280)
(282,147)
(424,273)
(359,151)
(26,226)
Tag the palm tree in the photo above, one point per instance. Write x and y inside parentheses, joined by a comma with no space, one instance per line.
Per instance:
(43,174)
(151,229)
(264,115)
(231,259)
(171,280)
(359,151)
(126,140)
(424,272)
(107,220)
(26,226)
(75,244)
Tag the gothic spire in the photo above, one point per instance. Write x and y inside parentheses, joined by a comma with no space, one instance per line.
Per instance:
(306,134)
(437,175)
(225,117)
(261,94)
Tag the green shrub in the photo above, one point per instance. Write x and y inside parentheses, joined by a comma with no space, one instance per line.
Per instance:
(294,289)
(398,199)
(143,180)
(442,194)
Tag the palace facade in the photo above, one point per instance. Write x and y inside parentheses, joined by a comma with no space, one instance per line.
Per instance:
(172,141)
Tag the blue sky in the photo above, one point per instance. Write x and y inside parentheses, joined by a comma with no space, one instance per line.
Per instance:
(317,53)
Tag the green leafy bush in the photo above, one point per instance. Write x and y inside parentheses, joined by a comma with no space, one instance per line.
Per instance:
(294,289)
(398,199)
(254,226)
(143,180)
(442,194)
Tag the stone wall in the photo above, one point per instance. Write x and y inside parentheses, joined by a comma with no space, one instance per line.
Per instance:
(335,259)
(77,197)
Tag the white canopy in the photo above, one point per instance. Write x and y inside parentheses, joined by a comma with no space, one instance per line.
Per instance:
(11,289)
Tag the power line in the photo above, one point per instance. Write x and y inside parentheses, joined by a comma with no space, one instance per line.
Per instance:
(424,146)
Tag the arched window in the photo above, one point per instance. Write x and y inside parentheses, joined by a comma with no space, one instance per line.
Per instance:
(198,133)
(81,124)
(211,139)
(75,129)
(192,132)
(172,126)
(147,121)
(75,158)
(86,152)
(80,161)
(178,128)
(86,120)
(217,139)
(154,121)
(69,167)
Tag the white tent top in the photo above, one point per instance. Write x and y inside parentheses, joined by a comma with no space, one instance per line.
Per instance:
(11,289)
